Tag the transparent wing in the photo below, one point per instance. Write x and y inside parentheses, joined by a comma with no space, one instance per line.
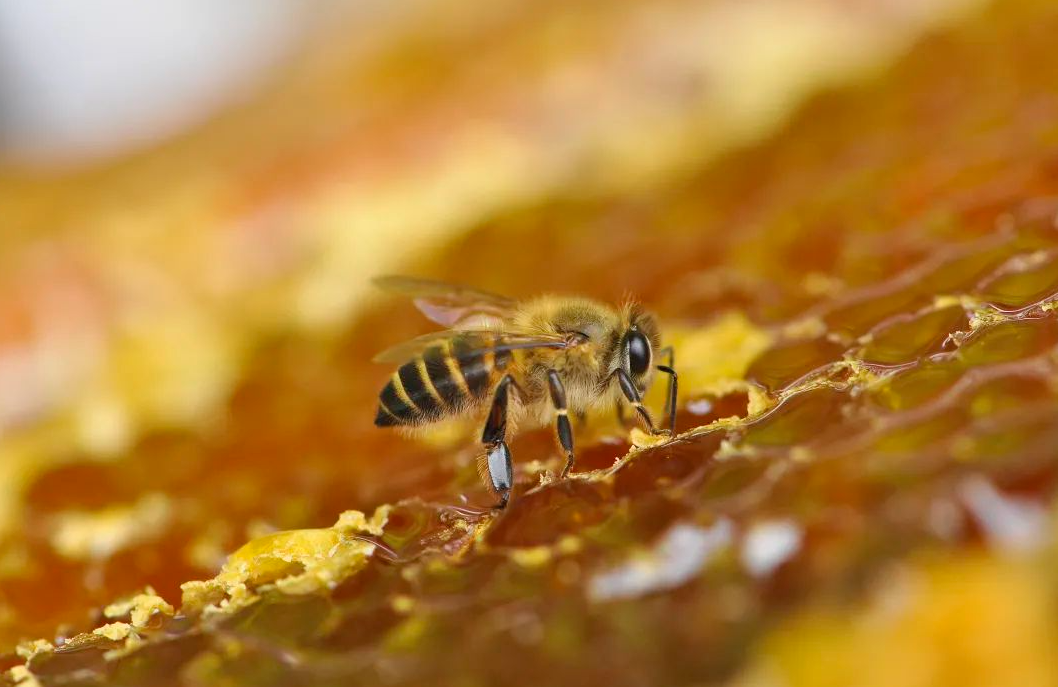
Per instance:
(478,341)
(451,305)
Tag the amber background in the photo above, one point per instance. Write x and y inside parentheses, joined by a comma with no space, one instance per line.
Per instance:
(843,214)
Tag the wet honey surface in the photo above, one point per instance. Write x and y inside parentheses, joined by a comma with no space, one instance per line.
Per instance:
(898,276)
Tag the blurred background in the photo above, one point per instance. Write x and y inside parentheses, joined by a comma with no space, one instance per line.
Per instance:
(193,199)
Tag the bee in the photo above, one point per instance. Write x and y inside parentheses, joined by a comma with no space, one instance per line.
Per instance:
(509,362)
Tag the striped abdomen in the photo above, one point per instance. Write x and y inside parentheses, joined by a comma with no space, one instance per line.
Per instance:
(442,380)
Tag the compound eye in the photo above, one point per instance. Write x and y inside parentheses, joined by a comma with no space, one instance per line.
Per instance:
(638,353)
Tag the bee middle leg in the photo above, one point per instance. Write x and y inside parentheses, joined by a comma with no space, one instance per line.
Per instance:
(562,426)
(497,456)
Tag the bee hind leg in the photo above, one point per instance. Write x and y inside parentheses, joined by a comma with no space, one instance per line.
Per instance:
(495,464)
(562,426)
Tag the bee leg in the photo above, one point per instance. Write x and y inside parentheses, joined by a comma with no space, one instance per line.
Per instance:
(672,388)
(497,454)
(500,471)
(628,388)
(562,426)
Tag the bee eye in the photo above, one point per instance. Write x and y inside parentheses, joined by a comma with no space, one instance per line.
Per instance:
(638,349)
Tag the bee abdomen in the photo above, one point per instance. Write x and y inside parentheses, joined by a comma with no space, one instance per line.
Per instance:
(440,382)
(408,398)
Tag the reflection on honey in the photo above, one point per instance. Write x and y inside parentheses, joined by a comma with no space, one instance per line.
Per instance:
(900,416)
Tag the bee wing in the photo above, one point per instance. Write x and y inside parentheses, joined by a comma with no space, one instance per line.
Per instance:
(407,350)
(451,305)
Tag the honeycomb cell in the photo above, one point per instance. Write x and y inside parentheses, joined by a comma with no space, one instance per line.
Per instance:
(283,619)
(731,478)
(1017,443)
(668,464)
(960,273)
(798,418)
(360,625)
(544,515)
(991,446)
(908,437)
(85,658)
(1018,288)
(913,387)
(155,664)
(856,317)
(1007,393)
(1009,341)
(413,527)
(787,362)
(704,409)
(911,337)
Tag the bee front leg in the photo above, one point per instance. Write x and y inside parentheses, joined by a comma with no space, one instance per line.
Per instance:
(497,456)
(562,426)
(628,388)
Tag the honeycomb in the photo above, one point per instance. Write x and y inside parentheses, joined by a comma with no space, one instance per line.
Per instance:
(861,489)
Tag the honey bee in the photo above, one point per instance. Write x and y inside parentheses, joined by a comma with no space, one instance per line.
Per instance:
(558,355)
